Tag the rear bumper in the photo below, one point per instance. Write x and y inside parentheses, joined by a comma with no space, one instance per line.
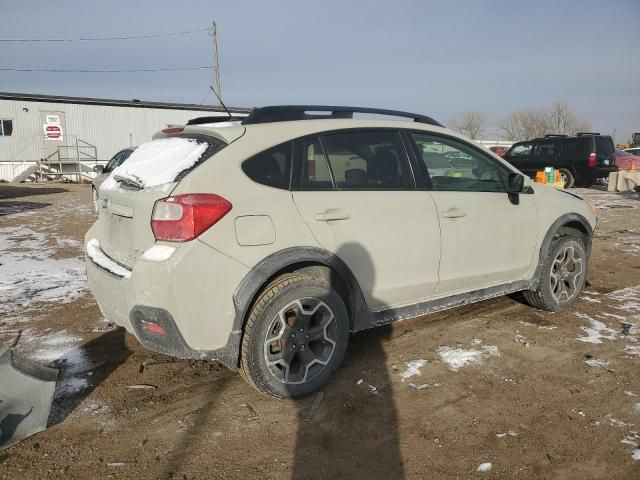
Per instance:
(191,294)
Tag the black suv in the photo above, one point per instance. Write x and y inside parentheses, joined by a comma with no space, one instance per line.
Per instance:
(581,159)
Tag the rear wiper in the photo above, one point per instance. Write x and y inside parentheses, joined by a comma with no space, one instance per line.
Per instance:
(132,182)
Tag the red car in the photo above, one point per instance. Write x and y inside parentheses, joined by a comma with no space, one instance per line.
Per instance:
(499,150)
(624,160)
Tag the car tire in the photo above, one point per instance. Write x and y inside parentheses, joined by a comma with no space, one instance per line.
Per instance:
(295,337)
(567,176)
(562,277)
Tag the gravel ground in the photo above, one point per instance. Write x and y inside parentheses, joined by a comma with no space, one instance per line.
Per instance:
(491,390)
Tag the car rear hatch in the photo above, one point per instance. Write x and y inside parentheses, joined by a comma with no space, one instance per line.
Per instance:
(605,151)
(128,196)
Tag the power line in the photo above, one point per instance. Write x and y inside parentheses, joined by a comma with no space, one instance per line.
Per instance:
(102,39)
(132,70)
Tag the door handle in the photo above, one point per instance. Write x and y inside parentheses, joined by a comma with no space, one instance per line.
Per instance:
(332,214)
(454,213)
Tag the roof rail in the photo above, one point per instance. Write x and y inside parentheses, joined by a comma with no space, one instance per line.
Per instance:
(216,119)
(555,135)
(587,134)
(283,113)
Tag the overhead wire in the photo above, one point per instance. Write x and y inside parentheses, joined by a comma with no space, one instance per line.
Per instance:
(101,39)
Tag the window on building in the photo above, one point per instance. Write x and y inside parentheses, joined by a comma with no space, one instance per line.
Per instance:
(6,128)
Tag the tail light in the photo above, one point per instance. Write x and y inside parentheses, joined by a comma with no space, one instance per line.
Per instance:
(592,160)
(172,130)
(185,217)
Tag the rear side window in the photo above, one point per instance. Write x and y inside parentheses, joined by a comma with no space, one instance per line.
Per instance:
(577,146)
(367,160)
(271,167)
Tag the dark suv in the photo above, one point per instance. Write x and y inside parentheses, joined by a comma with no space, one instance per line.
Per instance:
(581,159)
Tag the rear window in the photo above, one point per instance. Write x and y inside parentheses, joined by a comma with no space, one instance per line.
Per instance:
(604,145)
(271,167)
(161,161)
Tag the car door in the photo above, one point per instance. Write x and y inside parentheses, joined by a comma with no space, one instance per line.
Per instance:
(356,193)
(520,156)
(487,236)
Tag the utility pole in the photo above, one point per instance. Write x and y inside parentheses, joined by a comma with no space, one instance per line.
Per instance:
(216,63)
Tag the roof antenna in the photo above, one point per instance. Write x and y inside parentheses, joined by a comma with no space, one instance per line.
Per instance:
(220,100)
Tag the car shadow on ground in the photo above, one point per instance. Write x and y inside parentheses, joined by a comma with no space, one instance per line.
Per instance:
(11,208)
(15,191)
(101,357)
(350,429)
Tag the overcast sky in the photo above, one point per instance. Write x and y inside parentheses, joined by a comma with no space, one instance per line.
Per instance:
(433,57)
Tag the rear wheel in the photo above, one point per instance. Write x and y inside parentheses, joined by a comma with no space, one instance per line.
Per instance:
(563,275)
(567,177)
(296,336)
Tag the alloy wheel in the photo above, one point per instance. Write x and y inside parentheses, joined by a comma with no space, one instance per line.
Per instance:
(300,340)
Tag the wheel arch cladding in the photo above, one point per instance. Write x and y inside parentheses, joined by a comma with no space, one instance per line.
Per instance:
(571,224)
(316,261)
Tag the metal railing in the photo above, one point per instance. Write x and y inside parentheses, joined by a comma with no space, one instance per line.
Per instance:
(77,155)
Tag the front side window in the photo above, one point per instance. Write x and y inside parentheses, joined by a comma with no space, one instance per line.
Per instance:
(452,166)
(521,150)
(271,167)
(6,128)
(114,162)
(367,160)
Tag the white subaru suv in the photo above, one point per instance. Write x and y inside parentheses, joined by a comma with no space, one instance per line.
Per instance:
(263,242)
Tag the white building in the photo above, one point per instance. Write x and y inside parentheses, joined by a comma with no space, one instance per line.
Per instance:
(51,135)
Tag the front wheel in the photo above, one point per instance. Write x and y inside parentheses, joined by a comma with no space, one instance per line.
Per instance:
(563,275)
(296,336)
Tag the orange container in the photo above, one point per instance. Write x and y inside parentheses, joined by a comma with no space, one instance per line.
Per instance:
(541,177)
(557,178)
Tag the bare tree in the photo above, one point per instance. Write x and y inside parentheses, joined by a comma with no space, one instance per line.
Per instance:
(470,123)
(563,120)
(524,124)
(531,123)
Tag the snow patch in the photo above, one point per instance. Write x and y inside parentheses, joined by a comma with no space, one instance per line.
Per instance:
(99,258)
(596,330)
(413,368)
(594,362)
(511,433)
(484,467)
(157,162)
(457,358)
(159,253)
(636,454)
(29,275)
(632,350)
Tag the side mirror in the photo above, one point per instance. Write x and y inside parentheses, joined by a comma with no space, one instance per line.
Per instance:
(515,183)
(98,168)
